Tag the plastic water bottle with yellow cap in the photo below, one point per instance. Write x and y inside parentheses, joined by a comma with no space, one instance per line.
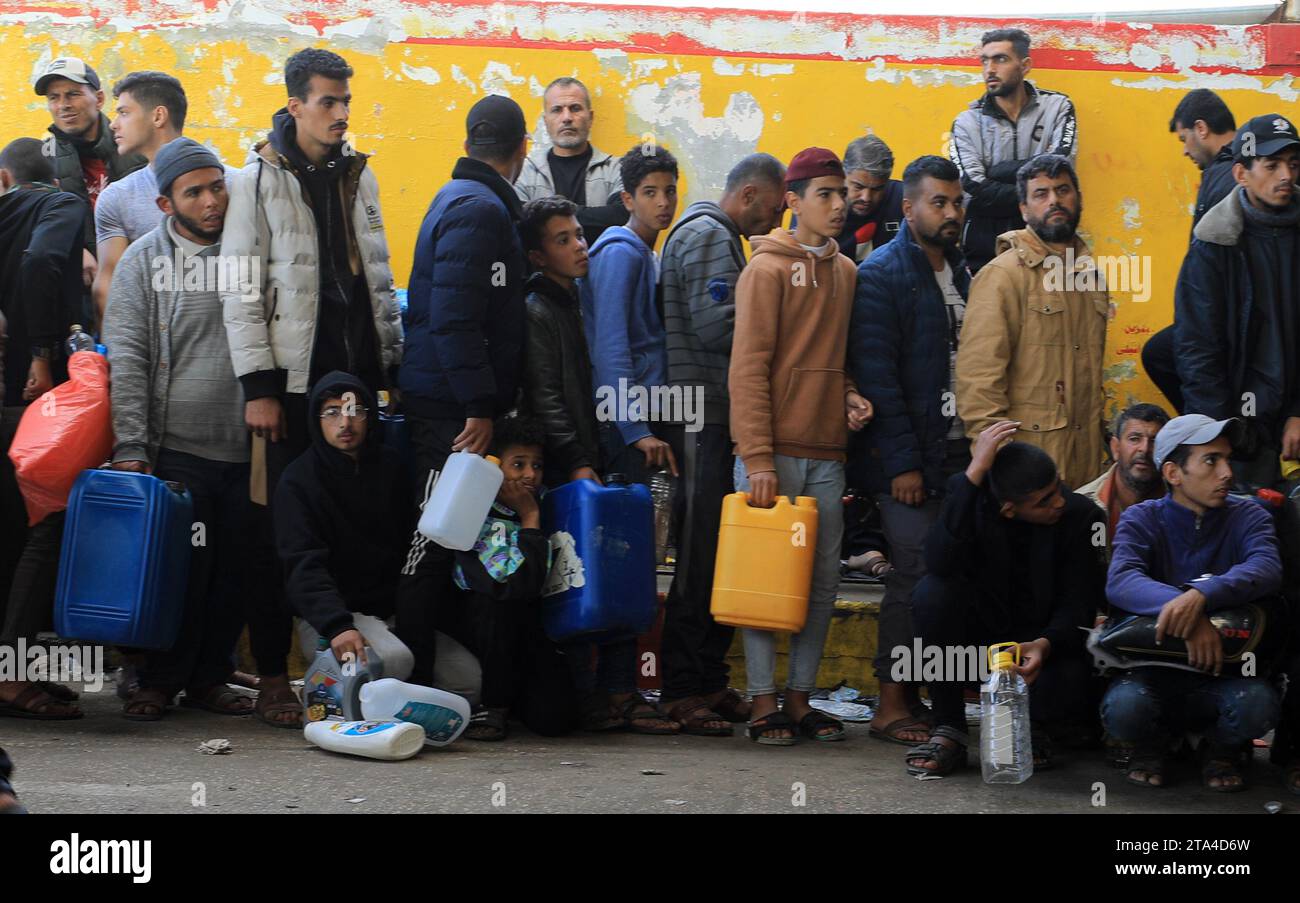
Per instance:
(1006,745)
(460,500)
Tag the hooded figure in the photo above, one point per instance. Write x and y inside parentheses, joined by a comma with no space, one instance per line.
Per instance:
(338,528)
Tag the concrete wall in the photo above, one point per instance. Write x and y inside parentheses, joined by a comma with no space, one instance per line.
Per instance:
(710,85)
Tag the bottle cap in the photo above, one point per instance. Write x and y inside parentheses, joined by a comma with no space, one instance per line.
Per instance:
(492,459)
(1004,655)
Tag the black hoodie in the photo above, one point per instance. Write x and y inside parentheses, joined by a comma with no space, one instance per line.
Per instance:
(40,274)
(345,328)
(339,527)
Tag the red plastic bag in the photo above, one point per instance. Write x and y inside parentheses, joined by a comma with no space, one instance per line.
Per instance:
(62,433)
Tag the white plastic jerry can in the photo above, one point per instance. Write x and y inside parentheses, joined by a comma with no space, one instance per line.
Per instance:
(443,715)
(460,501)
(390,740)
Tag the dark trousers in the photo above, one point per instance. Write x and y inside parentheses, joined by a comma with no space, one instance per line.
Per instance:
(1159,359)
(613,671)
(622,458)
(693,655)
(31,595)
(214,594)
(950,613)
(425,593)
(266,605)
(1150,705)
(13,510)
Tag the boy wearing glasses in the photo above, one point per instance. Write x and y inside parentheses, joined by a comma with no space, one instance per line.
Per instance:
(340,544)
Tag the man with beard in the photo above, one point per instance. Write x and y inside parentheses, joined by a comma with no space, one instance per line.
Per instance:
(86,159)
(305,212)
(1133,477)
(903,339)
(178,414)
(1205,128)
(572,166)
(991,139)
(1035,331)
(875,199)
(1236,303)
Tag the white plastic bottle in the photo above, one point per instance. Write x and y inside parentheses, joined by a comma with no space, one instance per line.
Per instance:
(461,499)
(443,715)
(1006,744)
(390,740)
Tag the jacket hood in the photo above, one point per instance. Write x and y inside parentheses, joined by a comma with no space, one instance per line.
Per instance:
(335,383)
(782,242)
(1222,223)
(618,235)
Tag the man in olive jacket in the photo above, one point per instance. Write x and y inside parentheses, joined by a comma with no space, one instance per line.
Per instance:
(1034,336)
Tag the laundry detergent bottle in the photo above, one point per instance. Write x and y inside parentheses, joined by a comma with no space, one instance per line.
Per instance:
(443,715)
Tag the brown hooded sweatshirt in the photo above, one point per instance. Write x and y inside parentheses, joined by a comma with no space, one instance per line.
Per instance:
(787,379)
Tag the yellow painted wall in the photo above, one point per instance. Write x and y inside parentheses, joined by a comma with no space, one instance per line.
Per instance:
(1137,187)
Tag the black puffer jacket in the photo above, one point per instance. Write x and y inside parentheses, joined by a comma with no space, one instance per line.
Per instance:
(337,528)
(68,152)
(557,379)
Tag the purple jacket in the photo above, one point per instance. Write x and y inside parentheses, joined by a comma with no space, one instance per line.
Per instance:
(1162,549)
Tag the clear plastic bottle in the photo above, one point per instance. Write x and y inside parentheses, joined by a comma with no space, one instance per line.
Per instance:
(78,340)
(1006,745)
(461,499)
(663,485)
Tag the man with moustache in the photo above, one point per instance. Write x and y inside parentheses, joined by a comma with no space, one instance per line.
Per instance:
(319,297)
(1133,477)
(993,138)
(572,167)
(1034,337)
(1237,301)
(875,199)
(903,340)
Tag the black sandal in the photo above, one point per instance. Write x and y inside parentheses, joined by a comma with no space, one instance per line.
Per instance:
(1149,760)
(488,725)
(1222,764)
(598,716)
(778,720)
(810,726)
(947,759)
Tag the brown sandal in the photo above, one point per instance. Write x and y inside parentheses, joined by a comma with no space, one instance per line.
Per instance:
(694,714)
(733,707)
(219,699)
(271,703)
(638,708)
(146,704)
(39,704)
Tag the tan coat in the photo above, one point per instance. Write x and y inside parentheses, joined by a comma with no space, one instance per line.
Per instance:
(1031,349)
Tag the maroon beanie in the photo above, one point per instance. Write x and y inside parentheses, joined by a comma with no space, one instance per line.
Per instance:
(813,162)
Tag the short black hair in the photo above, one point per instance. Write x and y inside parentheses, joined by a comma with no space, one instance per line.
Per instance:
(755,169)
(1019,470)
(798,186)
(1143,413)
(1180,456)
(156,89)
(1050,165)
(641,161)
(1204,105)
(516,430)
(565,81)
(931,165)
(1018,38)
(26,162)
(300,67)
(539,212)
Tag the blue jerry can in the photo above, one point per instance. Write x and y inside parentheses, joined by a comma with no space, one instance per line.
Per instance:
(125,560)
(601,584)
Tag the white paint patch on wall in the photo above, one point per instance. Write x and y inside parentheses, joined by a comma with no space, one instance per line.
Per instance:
(497,77)
(426,74)
(722,67)
(1284,87)
(1132,213)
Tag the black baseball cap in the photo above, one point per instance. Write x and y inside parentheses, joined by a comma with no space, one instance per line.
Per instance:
(1269,133)
(495,120)
(69,67)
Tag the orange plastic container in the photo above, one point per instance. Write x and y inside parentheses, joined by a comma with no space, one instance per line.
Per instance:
(764,565)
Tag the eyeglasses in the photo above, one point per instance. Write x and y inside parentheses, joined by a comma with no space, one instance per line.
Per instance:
(334,412)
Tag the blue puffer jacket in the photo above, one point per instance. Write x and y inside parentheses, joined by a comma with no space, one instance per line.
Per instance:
(898,355)
(465,301)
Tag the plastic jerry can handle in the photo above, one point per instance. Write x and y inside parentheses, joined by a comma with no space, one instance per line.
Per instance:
(805,501)
(178,488)
(995,656)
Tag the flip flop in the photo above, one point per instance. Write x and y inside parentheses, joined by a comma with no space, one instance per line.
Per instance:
(277,702)
(210,700)
(32,697)
(889,733)
(776,721)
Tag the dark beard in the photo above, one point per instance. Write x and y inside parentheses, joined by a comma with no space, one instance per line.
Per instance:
(939,240)
(1006,90)
(1143,488)
(1056,232)
(194,228)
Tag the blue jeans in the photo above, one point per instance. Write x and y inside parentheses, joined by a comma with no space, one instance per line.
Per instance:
(1148,704)
(824,481)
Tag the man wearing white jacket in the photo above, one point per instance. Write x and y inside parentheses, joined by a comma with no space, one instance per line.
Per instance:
(304,213)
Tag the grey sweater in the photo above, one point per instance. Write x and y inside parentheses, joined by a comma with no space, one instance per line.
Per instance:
(701,262)
(173,384)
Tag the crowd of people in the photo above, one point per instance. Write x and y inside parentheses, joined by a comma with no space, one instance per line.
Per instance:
(903,337)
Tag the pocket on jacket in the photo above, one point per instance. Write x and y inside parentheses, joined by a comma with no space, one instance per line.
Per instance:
(811,411)
(1039,418)
(1045,323)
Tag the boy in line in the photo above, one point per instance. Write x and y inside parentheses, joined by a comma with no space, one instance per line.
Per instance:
(789,399)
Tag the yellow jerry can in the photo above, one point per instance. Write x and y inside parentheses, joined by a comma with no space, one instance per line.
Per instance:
(765,562)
